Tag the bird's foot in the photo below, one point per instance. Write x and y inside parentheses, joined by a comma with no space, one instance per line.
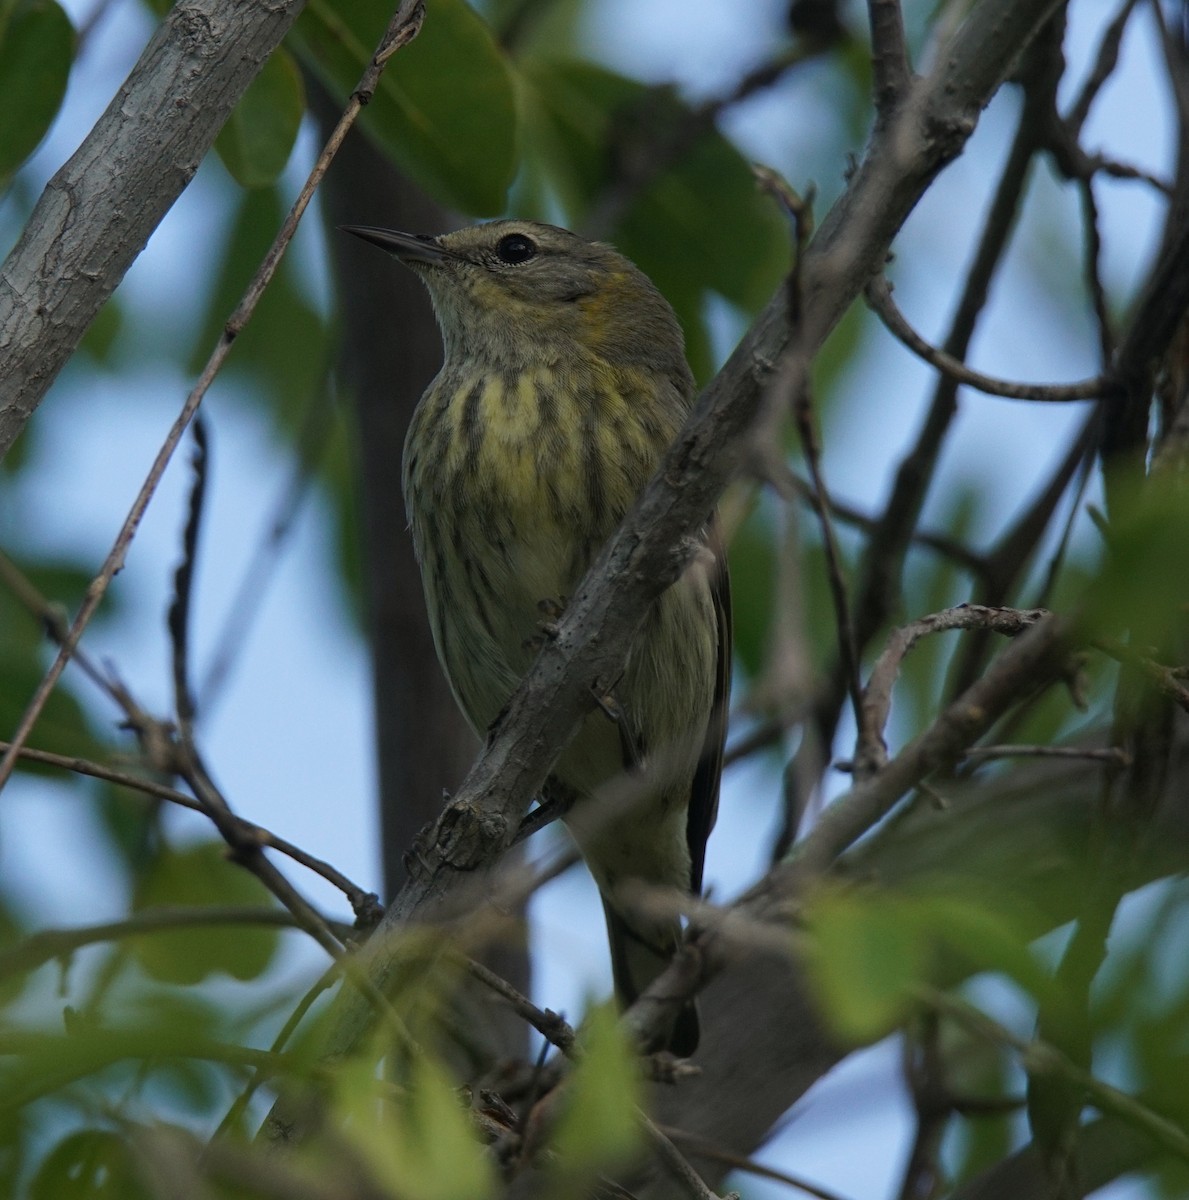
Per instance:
(551,611)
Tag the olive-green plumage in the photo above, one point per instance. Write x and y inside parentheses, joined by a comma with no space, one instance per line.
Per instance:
(564,381)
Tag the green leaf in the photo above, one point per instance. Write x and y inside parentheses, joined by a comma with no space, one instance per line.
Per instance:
(1142,585)
(91,1164)
(100,339)
(256,141)
(870,949)
(62,727)
(863,959)
(753,589)
(444,107)
(420,1143)
(698,225)
(285,347)
(599,1129)
(36,51)
(201,875)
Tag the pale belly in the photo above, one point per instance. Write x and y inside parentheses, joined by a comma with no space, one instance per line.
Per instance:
(499,558)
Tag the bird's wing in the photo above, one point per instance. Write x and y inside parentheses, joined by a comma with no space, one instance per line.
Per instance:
(703,801)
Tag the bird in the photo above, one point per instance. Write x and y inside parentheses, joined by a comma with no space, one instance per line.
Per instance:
(564,381)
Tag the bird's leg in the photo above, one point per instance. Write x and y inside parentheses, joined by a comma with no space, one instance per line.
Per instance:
(633,750)
(551,806)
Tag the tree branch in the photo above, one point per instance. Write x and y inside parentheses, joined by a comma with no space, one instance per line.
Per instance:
(97,212)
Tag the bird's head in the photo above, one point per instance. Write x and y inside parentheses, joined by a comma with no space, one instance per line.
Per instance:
(510,290)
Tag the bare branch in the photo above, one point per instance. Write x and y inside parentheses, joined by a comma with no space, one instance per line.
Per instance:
(1107,754)
(1040,1058)
(871,750)
(737,1162)
(179,609)
(550,1025)
(1105,62)
(889,55)
(879,297)
(675,1162)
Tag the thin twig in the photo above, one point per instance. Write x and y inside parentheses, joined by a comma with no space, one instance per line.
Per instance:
(53,619)
(800,213)
(870,748)
(924,1072)
(879,296)
(183,581)
(1108,754)
(550,1025)
(677,1164)
(738,1162)
(1105,62)
(847,642)
(404,26)
(363,903)
(929,539)
(1041,1058)
(246,601)
(1032,660)
(239,1105)
(1165,678)
(1092,270)
(1009,557)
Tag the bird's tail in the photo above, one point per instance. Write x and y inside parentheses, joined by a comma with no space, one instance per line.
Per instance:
(640,951)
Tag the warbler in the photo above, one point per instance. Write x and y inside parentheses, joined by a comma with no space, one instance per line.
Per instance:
(563,383)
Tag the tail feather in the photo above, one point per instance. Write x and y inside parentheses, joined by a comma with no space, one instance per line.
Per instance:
(638,956)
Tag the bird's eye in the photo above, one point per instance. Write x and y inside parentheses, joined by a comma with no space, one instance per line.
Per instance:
(515,248)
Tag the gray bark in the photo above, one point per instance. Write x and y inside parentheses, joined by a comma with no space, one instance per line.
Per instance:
(99,209)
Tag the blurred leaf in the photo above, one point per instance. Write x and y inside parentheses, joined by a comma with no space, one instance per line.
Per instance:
(699,225)
(100,339)
(977,1067)
(535,23)
(753,580)
(25,650)
(1142,584)
(202,875)
(36,51)
(151,1032)
(863,959)
(92,1164)
(194,1086)
(285,347)
(599,1129)
(132,822)
(11,986)
(444,107)
(258,138)
(870,948)
(419,1143)
(841,350)
(62,727)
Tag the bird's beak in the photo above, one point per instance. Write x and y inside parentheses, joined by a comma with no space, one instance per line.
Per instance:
(408,247)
